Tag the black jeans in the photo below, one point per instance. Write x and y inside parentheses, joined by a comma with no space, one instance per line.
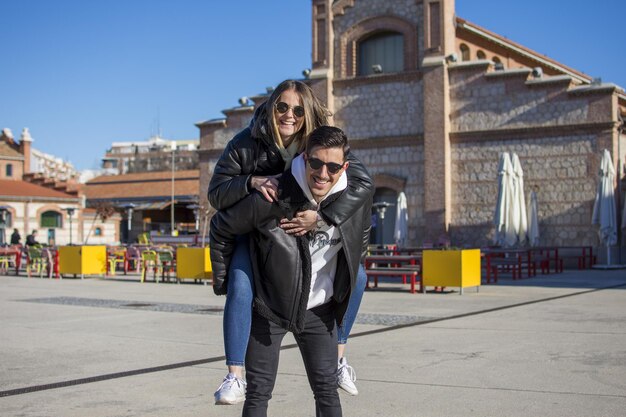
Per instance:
(318,347)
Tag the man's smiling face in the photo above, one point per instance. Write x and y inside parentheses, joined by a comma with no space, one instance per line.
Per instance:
(320,179)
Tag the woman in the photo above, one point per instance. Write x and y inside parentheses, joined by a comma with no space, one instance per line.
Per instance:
(251,161)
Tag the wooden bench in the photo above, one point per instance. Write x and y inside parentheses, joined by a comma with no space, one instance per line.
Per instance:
(386,271)
(513,261)
(401,266)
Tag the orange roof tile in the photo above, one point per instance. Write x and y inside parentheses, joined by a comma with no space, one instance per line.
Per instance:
(15,188)
(143,185)
(146,177)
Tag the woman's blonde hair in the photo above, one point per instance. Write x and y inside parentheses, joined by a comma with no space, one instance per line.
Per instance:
(315,114)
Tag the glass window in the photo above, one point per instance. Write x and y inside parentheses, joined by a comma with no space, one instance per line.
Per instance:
(465,52)
(9,170)
(481,55)
(98,231)
(6,219)
(385,50)
(51,219)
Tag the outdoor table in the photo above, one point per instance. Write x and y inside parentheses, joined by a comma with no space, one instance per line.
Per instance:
(516,258)
(586,254)
(193,263)
(82,260)
(397,266)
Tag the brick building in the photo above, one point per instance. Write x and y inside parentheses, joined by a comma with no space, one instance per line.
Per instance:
(150,194)
(36,192)
(430,101)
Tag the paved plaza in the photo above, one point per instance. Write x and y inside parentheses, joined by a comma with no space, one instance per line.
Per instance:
(552,345)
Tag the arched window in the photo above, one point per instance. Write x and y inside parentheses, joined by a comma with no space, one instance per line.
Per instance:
(496,60)
(6,219)
(383,224)
(480,55)
(382,52)
(465,52)
(51,219)
(8,171)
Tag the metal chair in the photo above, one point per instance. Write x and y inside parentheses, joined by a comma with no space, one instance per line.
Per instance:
(150,260)
(115,257)
(38,259)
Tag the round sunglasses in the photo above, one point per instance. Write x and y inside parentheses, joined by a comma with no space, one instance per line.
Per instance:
(282,108)
(332,167)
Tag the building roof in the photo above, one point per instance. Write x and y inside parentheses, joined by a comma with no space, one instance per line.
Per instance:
(7,150)
(143,185)
(520,49)
(22,189)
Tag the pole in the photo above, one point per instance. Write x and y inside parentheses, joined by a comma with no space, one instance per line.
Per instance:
(172,201)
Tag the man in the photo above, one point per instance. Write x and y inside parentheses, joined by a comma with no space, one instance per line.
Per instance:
(15,237)
(31,240)
(302,283)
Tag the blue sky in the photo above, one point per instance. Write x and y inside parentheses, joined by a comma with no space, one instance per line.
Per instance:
(83,74)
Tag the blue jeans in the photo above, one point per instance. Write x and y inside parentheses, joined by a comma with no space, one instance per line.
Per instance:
(343,331)
(238,307)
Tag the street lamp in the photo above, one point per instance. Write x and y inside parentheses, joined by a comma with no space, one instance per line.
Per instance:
(129,215)
(381,207)
(70,213)
(173,146)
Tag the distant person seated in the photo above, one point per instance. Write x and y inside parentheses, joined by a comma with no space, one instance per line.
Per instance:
(15,237)
(31,240)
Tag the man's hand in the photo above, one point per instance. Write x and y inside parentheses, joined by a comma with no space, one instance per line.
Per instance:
(300,225)
(268,186)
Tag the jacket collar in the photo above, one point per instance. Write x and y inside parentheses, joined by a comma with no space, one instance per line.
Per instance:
(290,195)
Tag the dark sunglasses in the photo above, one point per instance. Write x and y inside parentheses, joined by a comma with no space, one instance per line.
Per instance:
(332,167)
(282,108)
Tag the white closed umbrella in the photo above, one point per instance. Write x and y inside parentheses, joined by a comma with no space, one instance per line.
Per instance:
(518,206)
(401,228)
(533,221)
(624,215)
(604,213)
(505,234)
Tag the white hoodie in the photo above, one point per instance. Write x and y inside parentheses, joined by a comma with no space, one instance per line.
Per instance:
(325,243)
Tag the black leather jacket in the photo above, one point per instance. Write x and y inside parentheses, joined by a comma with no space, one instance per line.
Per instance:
(245,156)
(282,262)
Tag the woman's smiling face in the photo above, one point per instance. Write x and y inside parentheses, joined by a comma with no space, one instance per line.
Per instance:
(288,123)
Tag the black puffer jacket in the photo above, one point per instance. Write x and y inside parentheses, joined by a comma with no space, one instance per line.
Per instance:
(282,262)
(246,155)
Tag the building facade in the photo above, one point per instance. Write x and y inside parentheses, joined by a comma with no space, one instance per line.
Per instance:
(430,101)
(155,154)
(156,203)
(39,192)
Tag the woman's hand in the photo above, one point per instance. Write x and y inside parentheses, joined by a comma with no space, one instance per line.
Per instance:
(300,225)
(268,186)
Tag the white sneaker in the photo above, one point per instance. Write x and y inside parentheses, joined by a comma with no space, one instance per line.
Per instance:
(231,391)
(346,377)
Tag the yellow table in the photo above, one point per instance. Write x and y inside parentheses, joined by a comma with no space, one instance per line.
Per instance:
(193,263)
(451,268)
(82,260)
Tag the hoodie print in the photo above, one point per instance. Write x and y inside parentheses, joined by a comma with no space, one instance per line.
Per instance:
(322,241)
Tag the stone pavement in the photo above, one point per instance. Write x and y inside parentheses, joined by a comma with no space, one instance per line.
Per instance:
(553,345)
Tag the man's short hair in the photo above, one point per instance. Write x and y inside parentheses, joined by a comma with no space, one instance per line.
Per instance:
(328,137)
